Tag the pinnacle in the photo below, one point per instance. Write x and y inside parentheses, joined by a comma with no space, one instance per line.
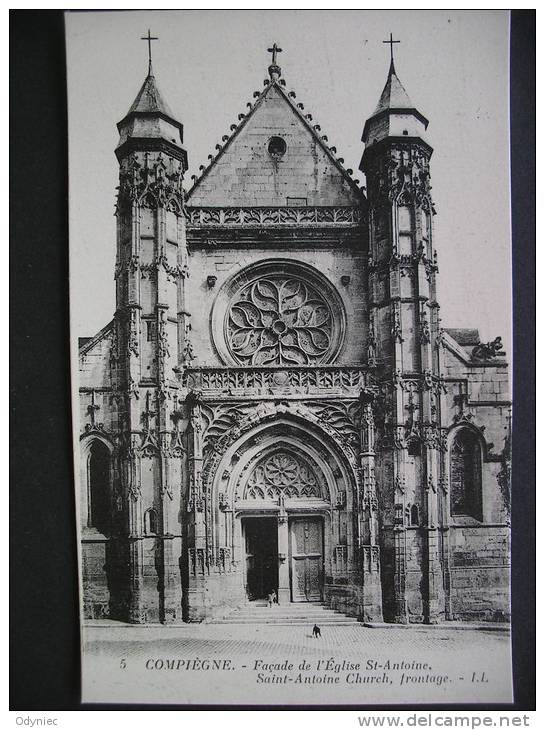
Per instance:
(393,95)
(149,98)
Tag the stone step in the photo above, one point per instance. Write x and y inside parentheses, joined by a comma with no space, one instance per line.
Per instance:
(287,617)
(295,614)
(279,609)
(290,614)
(299,606)
(285,622)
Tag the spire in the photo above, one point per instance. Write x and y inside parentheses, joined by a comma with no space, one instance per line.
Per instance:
(393,95)
(149,99)
(150,123)
(395,115)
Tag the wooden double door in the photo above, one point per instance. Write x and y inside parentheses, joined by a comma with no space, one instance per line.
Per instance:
(306,542)
(266,572)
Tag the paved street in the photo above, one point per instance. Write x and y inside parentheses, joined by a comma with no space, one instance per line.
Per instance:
(271,664)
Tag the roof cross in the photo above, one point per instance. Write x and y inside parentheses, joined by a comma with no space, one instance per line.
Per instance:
(274,50)
(391,44)
(149,38)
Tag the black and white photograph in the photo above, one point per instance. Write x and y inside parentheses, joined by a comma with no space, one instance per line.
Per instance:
(290,322)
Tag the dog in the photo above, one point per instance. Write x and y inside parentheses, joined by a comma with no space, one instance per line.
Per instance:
(316,632)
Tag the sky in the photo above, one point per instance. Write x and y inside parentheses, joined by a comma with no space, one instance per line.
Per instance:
(453,65)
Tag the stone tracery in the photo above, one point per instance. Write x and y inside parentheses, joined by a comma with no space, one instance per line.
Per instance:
(282,474)
(279,320)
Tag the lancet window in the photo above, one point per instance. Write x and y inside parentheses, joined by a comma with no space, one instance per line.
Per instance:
(98,494)
(465,475)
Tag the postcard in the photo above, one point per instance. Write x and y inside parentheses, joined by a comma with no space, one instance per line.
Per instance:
(290,317)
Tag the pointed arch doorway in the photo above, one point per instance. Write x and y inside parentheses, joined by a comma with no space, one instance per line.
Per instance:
(282,514)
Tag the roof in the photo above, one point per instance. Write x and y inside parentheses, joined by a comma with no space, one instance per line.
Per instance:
(149,99)
(87,343)
(393,95)
(393,100)
(275,85)
(464,337)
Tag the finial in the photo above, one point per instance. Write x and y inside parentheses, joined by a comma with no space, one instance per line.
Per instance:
(391,44)
(274,68)
(149,38)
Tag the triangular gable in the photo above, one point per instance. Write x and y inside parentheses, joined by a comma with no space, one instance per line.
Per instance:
(244,173)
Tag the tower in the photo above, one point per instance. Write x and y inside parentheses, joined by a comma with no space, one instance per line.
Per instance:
(403,332)
(147,342)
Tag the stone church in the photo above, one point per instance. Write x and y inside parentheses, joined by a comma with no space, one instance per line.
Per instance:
(275,406)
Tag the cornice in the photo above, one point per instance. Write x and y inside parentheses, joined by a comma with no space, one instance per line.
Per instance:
(260,216)
(151,144)
(279,236)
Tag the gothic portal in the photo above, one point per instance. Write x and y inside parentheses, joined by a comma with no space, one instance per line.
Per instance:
(275,406)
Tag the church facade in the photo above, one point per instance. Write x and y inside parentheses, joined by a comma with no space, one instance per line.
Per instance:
(276,406)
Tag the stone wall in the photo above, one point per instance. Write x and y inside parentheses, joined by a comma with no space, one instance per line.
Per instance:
(333,264)
(479,573)
(213,596)
(246,174)
(94,366)
(96,594)
(479,551)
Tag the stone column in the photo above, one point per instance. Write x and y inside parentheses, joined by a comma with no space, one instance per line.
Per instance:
(136,561)
(283,559)
(238,554)
(401,615)
(371,606)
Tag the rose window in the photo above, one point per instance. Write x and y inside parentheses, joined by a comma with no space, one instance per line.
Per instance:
(280,320)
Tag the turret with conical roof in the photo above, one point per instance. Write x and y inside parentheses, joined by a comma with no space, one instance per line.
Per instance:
(395,114)
(403,332)
(150,124)
(149,337)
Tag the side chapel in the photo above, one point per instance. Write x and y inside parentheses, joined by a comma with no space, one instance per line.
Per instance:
(275,405)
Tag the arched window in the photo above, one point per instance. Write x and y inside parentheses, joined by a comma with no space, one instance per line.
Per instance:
(415,521)
(99,487)
(465,475)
